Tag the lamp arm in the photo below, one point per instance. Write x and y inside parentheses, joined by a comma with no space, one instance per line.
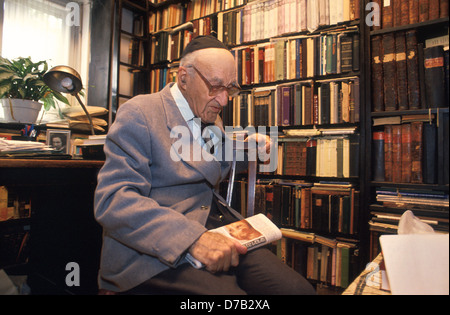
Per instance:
(87,113)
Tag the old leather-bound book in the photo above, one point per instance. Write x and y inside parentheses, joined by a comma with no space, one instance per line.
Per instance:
(433,9)
(387,14)
(406,153)
(402,77)
(396,153)
(435,77)
(416,152)
(423,10)
(389,73)
(388,153)
(413,70)
(377,74)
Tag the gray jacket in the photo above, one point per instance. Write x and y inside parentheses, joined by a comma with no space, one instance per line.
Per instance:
(151,208)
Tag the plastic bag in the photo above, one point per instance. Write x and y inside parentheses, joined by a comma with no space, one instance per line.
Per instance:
(410,224)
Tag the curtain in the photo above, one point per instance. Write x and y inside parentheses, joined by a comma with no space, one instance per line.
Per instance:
(36,29)
(42,30)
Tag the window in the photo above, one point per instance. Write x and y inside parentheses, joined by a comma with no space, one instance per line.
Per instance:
(53,30)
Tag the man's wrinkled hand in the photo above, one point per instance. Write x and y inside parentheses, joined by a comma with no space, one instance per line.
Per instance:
(217,252)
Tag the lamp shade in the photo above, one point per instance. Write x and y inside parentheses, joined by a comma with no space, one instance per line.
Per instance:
(63,79)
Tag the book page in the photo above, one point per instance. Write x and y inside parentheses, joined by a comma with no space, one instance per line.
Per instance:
(252,232)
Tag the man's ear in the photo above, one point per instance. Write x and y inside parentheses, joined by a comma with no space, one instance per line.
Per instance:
(182,77)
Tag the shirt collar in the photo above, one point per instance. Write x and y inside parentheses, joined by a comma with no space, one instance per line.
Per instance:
(182,103)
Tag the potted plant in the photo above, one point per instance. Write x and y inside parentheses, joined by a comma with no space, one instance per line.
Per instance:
(22,89)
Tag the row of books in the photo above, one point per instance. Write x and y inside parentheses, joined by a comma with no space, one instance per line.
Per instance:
(403,12)
(320,207)
(271,18)
(200,8)
(322,157)
(298,58)
(431,207)
(304,103)
(408,153)
(407,75)
(160,77)
(332,263)
(13,205)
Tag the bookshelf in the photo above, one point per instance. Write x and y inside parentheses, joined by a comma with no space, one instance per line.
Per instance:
(315,109)
(325,76)
(408,122)
(130,67)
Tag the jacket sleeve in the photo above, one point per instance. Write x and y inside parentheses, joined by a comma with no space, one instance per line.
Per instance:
(122,204)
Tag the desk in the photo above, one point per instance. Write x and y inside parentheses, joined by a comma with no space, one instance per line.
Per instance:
(359,285)
(62,224)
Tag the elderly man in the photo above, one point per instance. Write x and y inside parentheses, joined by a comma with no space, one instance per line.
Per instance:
(156,206)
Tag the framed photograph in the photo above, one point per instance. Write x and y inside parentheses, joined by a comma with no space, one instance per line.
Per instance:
(59,140)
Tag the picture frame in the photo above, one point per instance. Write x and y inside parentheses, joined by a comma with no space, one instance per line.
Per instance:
(59,140)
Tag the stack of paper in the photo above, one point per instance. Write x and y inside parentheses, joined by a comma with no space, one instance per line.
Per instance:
(13,146)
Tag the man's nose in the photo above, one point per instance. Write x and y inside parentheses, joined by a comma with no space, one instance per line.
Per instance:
(222,98)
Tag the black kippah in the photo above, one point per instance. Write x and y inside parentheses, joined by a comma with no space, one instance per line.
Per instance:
(203,42)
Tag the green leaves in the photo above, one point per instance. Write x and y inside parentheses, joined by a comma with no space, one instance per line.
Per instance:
(21,78)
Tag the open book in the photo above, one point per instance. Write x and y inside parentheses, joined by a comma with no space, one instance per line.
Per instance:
(252,232)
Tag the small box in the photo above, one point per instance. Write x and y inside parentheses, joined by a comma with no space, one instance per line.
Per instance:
(93,152)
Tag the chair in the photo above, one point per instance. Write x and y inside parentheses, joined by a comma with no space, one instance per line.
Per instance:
(251,182)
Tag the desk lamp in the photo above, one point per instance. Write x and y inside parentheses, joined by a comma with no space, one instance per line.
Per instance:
(65,79)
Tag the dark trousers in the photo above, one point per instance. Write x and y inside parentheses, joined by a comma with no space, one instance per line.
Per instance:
(260,272)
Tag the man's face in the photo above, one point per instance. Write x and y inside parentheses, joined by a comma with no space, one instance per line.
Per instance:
(57,143)
(218,68)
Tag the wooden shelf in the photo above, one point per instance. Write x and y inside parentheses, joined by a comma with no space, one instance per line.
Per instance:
(41,163)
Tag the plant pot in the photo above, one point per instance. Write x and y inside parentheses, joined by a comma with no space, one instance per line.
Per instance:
(20,111)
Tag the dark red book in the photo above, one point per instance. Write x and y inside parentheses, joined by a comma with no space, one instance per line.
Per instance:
(388,153)
(412,63)
(389,73)
(396,153)
(402,77)
(406,153)
(416,151)
(377,74)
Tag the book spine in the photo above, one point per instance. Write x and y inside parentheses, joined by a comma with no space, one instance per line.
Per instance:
(423,10)
(377,74)
(404,19)
(413,11)
(435,77)
(429,154)
(416,151)
(443,8)
(389,71)
(397,12)
(388,152)
(378,155)
(400,61)
(406,153)
(311,155)
(396,153)
(387,14)
(412,70)
(433,9)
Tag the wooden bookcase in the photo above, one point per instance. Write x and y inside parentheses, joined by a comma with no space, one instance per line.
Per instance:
(399,99)
(201,20)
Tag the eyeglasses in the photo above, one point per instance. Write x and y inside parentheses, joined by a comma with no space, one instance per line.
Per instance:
(233,90)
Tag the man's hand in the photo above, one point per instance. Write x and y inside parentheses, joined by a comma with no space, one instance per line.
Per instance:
(264,142)
(217,252)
